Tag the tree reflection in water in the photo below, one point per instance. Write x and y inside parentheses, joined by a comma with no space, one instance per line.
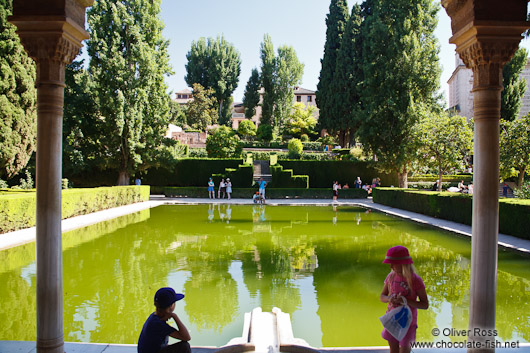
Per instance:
(112,270)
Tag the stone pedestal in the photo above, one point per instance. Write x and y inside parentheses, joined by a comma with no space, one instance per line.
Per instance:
(51,32)
(486,33)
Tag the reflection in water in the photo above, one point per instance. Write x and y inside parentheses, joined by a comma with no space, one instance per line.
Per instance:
(320,264)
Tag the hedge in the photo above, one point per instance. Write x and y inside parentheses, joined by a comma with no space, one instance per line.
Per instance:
(514,214)
(189,172)
(17,211)
(467,178)
(272,193)
(240,177)
(284,178)
(323,173)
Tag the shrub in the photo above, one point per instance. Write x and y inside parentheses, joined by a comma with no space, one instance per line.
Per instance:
(199,152)
(514,215)
(272,193)
(524,191)
(295,148)
(304,138)
(189,172)
(3,184)
(223,143)
(322,173)
(285,179)
(17,210)
(264,132)
(246,129)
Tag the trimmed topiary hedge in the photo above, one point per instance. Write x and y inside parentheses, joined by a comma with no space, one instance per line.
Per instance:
(240,177)
(467,178)
(323,173)
(273,193)
(284,178)
(189,172)
(514,214)
(17,210)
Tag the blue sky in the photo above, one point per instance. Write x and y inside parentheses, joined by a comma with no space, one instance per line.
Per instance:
(299,23)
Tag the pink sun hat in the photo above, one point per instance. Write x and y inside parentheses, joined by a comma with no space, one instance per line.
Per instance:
(398,255)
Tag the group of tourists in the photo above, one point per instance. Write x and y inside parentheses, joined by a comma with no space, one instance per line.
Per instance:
(225,188)
(358,184)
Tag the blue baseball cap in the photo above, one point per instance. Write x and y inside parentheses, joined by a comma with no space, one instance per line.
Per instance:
(166,296)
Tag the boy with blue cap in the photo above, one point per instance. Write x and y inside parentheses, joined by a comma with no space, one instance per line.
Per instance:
(155,333)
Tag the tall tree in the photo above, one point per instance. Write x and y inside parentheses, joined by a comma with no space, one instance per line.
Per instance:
(336,24)
(444,142)
(82,126)
(268,69)
(128,64)
(216,64)
(515,146)
(289,72)
(251,95)
(18,98)
(514,85)
(201,111)
(401,75)
(348,79)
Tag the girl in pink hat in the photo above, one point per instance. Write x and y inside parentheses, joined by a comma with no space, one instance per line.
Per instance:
(403,282)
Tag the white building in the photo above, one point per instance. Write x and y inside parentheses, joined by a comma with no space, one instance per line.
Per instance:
(461,84)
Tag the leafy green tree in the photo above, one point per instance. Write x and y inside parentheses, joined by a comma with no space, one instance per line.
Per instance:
(251,95)
(336,24)
(268,69)
(216,64)
(346,99)
(246,129)
(223,143)
(295,148)
(177,113)
(289,72)
(82,126)
(264,133)
(128,64)
(201,111)
(401,77)
(18,98)
(301,121)
(515,146)
(444,142)
(514,85)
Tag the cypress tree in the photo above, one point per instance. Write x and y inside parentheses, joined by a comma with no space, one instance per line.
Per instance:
(268,69)
(336,24)
(18,98)
(514,85)
(251,96)
(348,80)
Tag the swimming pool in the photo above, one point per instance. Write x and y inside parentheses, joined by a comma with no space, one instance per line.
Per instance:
(321,264)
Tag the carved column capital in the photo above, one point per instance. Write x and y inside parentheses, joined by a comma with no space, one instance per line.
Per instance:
(52,32)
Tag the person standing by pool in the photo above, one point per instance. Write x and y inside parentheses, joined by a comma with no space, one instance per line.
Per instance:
(222,189)
(336,188)
(403,282)
(262,184)
(358,183)
(211,190)
(155,332)
(228,187)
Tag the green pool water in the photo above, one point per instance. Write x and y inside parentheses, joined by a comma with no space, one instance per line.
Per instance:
(321,264)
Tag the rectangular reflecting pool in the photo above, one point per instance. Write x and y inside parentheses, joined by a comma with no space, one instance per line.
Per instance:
(321,264)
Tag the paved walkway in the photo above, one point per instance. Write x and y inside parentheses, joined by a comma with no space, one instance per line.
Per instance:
(28,235)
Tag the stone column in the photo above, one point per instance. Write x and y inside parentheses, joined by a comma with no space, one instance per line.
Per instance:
(486,36)
(51,32)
